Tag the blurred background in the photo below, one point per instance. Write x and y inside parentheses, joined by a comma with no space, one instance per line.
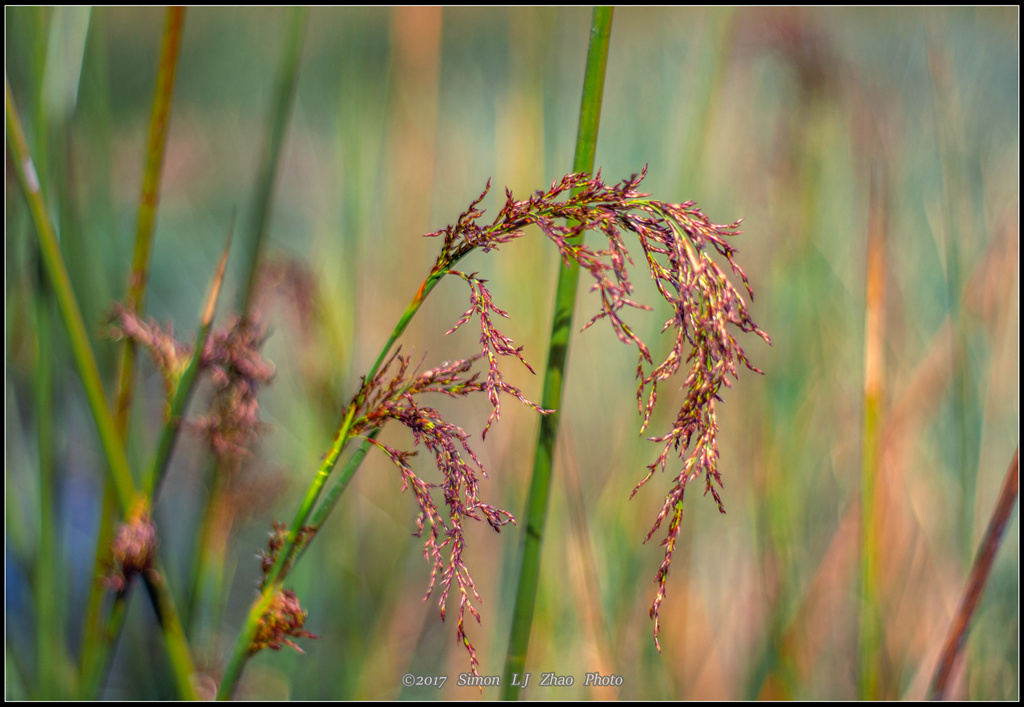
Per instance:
(825,130)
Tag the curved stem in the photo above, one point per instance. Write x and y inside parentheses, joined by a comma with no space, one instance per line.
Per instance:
(293,547)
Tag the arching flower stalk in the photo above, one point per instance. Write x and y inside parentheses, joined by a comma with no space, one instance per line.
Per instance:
(678,243)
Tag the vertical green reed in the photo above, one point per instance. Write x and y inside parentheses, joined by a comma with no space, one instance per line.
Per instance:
(270,155)
(57,272)
(209,578)
(98,639)
(85,360)
(52,682)
(554,371)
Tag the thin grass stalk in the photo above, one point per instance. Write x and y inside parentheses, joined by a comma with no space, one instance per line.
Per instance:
(85,360)
(150,198)
(49,612)
(95,650)
(36,108)
(70,33)
(208,571)
(288,553)
(870,624)
(332,496)
(137,282)
(233,672)
(278,572)
(186,385)
(48,607)
(175,641)
(271,155)
(294,547)
(52,104)
(95,666)
(156,144)
(976,581)
(554,373)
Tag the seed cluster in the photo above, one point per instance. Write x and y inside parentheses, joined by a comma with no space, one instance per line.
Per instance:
(677,242)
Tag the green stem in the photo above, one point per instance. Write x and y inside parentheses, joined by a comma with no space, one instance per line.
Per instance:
(99,636)
(241,653)
(150,197)
(85,360)
(294,544)
(331,499)
(95,665)
(271,155)
(554,374)
(95,637)
(48,584)
(174,634)
(96,640)
(186,384)
(57,271)
(284,560)
(209,569)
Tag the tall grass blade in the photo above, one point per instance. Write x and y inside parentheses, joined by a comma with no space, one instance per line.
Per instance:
(961,624)
(149,200)
(270,157)
(183,391)
(554,372)
(117,460)
(870,624)
(95,633)
(57,271)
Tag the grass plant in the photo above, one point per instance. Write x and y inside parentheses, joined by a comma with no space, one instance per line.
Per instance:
(862,467)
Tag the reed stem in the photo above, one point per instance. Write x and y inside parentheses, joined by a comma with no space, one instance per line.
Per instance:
(554,372)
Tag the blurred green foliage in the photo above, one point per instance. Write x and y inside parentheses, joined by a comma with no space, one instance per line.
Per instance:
(778,116)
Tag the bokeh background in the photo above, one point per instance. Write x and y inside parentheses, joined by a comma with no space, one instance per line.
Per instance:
(819,127)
